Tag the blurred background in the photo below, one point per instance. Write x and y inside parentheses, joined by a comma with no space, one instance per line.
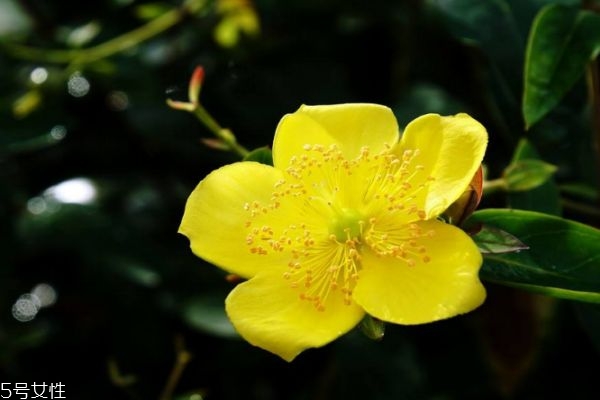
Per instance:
(100,293)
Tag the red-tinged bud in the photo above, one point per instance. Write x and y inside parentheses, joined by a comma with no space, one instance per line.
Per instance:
(232,278)
(181,105)
(477,184)
(464,206)
(196,85)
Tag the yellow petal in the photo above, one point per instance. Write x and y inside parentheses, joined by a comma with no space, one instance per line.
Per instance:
(349,126)
(445,286)
(214,218)
(451,150)
(269,314)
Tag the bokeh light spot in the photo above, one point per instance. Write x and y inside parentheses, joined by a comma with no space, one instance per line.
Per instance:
(25,308)
(38,75)
(118,100)
(78,85)
(58,132)
(45,293)
(74,191)
(37,205)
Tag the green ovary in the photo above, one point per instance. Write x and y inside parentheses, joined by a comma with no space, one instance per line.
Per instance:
(348,224)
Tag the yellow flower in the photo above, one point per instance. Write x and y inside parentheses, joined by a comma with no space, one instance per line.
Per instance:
(344,224)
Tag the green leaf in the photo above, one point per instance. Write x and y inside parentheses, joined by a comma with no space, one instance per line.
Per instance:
(261,155)
(492,240)
(207,313)
(525,175)
(561,42)
(544,198)
(563,259)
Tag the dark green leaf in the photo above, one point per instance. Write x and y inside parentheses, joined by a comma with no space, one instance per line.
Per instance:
(261,155)
(561,42)
(563,259)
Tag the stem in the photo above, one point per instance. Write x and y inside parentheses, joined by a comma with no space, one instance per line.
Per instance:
(493,186)
(112,46)
(222,133)
(183,357)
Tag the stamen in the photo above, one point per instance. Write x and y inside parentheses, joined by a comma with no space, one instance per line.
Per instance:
(400,242)
(328,270)
(373,200)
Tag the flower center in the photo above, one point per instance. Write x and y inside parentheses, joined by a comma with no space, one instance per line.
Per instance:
(329,209)
(347,225)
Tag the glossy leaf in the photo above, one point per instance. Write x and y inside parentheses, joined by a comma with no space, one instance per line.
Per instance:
(563,259)
(561,42)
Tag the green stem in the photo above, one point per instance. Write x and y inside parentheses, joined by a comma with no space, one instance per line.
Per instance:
(112,46)
(222,133)
(494,185)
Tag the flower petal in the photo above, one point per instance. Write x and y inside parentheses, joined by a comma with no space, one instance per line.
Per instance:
(451,150)
(269,314)
(350,126)
(445,286)
(214,218)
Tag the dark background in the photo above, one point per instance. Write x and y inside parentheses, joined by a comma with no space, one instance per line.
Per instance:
(129,292)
